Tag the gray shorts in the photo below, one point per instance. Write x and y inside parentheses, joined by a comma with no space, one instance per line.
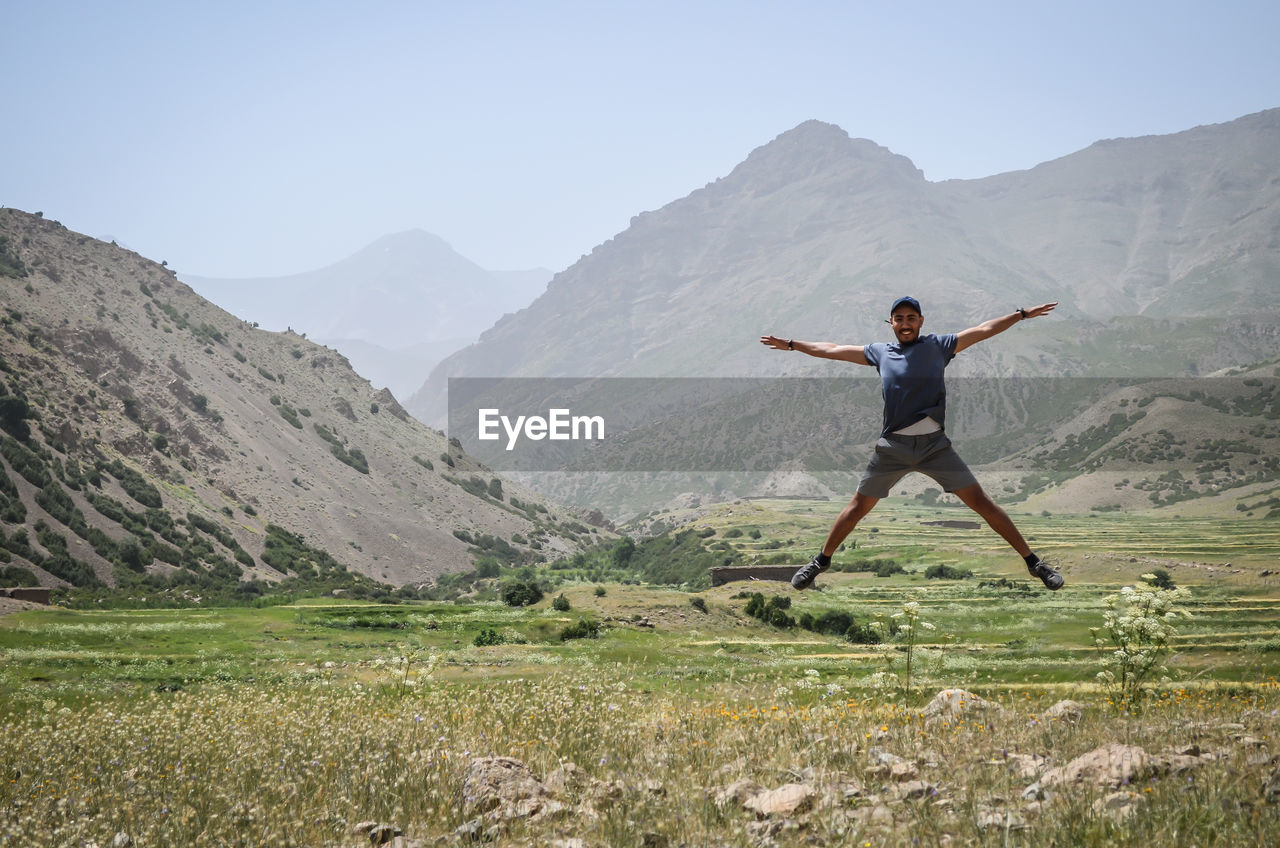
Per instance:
(897,456)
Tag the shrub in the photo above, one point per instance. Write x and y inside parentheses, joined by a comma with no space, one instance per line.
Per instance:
(586,628)
(16,575)
(772,611)
(946,572)
(699,604)
(600,592)
(488,637)
(521,593)
(13,414)
(560,604)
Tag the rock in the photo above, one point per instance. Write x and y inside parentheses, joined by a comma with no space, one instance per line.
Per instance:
(914,790)
(1068,711)
(1110,765)
(566,779)
(1036,793)
(954,703)
(903,771)
(475,831)
(653,787)
(1026,766)
(606,790)
(787,800)
(1271,788)
(505,788)
(1249,741)
(1175,763)
(737,793)
(122,840)
(378,833)
(1118,805)
(991,819)
(878,814)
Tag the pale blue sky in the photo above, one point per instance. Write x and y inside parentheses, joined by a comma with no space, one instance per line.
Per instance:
(260,138)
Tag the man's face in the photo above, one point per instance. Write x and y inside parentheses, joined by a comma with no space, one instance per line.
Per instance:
(906,324)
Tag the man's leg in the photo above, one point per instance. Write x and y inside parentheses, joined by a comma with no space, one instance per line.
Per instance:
(999,521)
(845,522)
(976,499)
(848,519)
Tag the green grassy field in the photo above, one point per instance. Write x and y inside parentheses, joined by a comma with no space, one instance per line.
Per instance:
(286,725)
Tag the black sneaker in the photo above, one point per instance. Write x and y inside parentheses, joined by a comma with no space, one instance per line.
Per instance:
(1047,574)
(804,578)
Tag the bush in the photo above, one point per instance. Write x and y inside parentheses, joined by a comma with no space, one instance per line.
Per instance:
(560,604)
(520,593)
(772,611)
(587,628)
(946,572)
(16,575)
(13,414)
(600,592)
(487,638)
(699,604)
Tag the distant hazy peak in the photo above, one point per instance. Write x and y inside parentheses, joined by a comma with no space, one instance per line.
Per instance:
(410,239)
(815,147)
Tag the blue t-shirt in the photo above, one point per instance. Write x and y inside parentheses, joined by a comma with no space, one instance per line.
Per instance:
(911,379)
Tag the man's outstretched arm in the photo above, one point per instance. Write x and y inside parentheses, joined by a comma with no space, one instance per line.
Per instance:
(995,326)
(822,350)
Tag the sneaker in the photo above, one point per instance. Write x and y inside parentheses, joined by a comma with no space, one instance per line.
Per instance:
(1047,574)
(804,578)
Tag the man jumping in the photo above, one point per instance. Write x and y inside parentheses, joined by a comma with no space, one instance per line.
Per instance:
(913,438)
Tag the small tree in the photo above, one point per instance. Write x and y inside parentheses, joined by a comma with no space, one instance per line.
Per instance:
(520,593)
(561,603)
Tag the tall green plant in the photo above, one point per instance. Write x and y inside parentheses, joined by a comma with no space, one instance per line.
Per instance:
(907,626)
(1137,626)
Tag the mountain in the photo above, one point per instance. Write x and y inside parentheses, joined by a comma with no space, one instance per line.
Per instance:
(814,233)
(394,308)
(148,431)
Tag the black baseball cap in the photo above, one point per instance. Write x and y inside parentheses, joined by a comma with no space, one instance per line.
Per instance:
(906,301)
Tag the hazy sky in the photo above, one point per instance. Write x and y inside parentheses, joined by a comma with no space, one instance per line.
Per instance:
(262,138)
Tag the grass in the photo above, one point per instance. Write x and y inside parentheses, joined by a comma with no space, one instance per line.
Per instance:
(286,725)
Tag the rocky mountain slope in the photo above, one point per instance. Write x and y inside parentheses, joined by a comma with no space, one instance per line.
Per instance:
(149,430)
(815,232)
(394,308)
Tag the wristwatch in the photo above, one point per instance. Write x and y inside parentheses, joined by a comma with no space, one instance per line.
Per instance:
(1023,313)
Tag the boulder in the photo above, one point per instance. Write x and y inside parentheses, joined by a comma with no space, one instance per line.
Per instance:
(790,799)
(1109,765)
(955,703)
(737,793)
(505,788)
(1066,711)
(1118,805)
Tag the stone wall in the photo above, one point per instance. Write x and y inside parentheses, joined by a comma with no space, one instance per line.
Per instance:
(730,573)
(35,594)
